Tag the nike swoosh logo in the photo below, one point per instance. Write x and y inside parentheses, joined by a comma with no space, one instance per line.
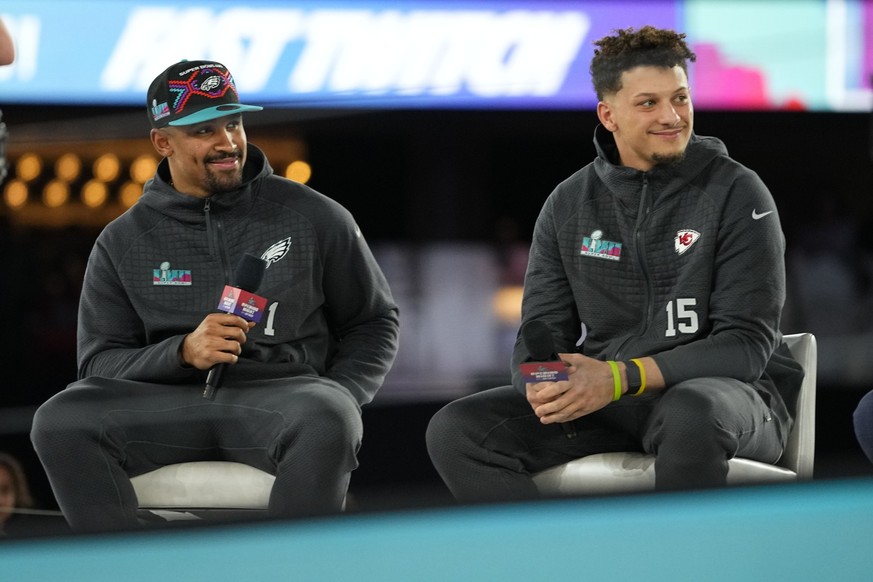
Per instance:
(756,216)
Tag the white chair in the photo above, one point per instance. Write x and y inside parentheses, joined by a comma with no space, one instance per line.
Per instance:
(201,489)
(631,471)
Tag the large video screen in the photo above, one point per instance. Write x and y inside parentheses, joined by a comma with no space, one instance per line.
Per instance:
(812,55)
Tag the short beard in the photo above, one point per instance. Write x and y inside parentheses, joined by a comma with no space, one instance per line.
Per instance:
(220,184)
(668,160)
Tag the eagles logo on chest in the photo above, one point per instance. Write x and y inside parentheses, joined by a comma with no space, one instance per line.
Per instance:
(277,251)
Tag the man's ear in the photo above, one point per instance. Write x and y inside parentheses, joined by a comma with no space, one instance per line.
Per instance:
(604,114)
(161,142)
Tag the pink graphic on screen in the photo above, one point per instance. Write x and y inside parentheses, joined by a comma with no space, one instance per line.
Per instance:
(724,85)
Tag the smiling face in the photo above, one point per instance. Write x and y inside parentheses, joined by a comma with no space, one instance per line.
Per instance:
(650,117)
(205,158)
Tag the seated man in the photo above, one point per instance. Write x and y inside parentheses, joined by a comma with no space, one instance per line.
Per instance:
(658,271)
(148,331)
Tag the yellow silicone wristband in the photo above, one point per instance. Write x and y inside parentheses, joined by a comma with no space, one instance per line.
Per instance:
(616,380)
(642,376)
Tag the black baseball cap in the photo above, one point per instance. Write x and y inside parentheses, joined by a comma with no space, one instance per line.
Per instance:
(191,92)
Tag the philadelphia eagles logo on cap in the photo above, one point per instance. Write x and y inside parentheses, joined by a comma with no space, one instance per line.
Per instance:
(191,92)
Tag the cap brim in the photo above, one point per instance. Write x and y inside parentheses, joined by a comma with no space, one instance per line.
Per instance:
(214,113)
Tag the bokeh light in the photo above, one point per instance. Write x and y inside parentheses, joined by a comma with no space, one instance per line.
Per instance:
(298,171)
(143,168)
(107,167)
(15,194)
(68,167)
(56,193)
(28,167)
(94,193)
(129,193)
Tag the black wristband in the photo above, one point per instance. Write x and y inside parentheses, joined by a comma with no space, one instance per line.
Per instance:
(633,378)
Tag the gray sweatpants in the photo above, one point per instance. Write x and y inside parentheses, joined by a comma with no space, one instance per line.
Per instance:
(487,445)
(95,435)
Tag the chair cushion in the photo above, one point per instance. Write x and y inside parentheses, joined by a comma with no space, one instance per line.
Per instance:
(628,472)
(204,484)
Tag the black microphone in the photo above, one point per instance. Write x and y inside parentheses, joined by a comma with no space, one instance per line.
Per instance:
(247,278)
(541,347)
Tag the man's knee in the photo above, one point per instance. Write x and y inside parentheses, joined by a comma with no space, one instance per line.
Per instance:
(863,423)
(56,421)
(863,415)
(449,431)
(328,416)
(688,415)
(688,399)
(43,426)
(436,428)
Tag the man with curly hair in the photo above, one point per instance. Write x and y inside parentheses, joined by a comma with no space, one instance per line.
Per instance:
(658,271)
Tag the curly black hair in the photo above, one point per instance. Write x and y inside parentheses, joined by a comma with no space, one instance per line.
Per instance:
(629,48)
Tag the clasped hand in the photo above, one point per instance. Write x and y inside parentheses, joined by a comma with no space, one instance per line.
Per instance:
(589,388)
(217,340)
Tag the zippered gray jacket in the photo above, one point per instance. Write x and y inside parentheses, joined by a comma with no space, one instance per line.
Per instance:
(158,269)
(684,263)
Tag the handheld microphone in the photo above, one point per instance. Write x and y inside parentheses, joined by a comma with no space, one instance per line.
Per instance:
(239,298)
(545,365)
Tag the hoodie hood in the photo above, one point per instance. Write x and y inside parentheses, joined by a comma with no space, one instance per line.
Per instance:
(625,181)
(161,196)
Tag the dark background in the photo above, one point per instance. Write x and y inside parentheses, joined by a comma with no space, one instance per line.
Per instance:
(415,177)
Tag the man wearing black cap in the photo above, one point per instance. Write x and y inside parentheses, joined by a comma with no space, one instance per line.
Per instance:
(149,331)
(185,96)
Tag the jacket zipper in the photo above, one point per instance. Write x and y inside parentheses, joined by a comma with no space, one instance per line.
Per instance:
(214,230)
(642,214)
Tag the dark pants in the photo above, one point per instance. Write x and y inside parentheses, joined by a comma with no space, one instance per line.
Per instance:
(95,435)
(487,445)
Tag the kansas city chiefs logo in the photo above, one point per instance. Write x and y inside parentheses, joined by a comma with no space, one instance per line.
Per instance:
(277,251)
(684,239)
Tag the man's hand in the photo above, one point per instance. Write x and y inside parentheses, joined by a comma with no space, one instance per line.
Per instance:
(589,388)
(217,340)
